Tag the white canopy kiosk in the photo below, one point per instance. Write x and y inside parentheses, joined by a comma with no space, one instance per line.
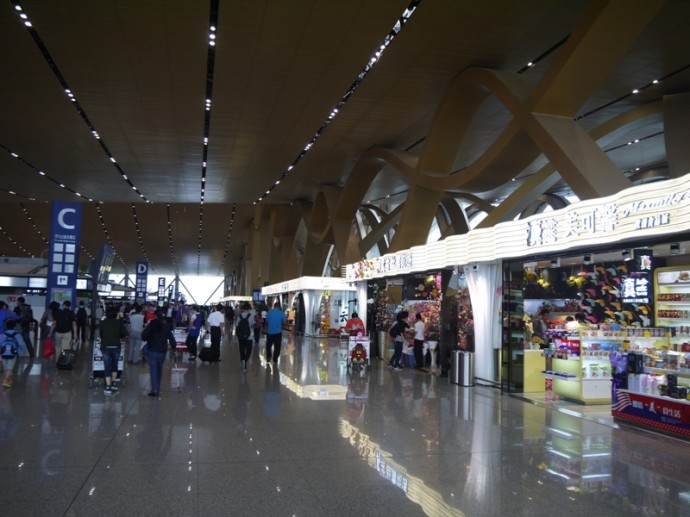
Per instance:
(344,298)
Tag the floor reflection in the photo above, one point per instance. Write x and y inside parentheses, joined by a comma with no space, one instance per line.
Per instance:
(310,432)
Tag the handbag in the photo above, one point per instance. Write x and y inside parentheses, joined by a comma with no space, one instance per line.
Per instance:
(48,347)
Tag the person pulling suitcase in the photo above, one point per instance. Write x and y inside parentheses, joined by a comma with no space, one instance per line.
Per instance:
(113,331)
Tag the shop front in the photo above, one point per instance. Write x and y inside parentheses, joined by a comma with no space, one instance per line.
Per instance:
(621,262)
(318,306)
(605,323)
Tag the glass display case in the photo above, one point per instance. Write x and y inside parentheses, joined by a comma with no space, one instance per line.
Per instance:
(581,366)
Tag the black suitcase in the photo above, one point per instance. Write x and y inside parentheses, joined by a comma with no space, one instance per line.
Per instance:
(209,355)
(66,359)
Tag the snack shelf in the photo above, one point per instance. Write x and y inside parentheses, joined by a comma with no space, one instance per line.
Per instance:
(683,372)
(561,376)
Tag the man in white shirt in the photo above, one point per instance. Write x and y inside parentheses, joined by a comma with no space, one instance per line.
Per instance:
(216,323)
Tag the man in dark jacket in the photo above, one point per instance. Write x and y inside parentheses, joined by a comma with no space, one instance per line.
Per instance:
(158,336)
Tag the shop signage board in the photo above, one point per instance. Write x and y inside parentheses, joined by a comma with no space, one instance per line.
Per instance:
(637,287)
(650,210)
(664,413)
(314,283)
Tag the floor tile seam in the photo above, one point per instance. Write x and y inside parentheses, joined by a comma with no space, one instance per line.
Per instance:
(98,460)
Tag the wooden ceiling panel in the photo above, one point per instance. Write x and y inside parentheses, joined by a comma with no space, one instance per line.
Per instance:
(138,68)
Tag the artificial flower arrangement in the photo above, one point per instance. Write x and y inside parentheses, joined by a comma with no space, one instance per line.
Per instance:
(430,288)
(383,317)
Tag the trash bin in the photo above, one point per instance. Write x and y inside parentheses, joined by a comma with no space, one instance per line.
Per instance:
(455,362)
(462,368)
(383,344)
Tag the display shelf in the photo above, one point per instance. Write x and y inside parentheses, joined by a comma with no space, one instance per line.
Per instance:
(561,376)
(684,372)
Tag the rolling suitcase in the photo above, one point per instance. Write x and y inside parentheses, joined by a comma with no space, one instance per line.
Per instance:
(209,355)
(66,359)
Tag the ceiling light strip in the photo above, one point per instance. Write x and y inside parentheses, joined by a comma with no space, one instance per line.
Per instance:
(170,241)
(543,55)
(139,237)
(210,70)
(373,60)
(24,18)
(107,236)
(634,91)
(41,173)
(33,224)
(633,142)
(14,241)
(227,240)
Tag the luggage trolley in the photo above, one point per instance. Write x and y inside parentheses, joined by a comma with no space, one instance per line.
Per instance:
(180,335)
(358,353)
(98,366)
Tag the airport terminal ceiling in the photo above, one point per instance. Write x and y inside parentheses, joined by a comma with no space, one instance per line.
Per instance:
(191,115)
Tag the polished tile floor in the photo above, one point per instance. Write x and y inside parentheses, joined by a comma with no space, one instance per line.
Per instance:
(307,438)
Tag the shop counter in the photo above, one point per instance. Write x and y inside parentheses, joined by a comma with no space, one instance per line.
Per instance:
(534,364)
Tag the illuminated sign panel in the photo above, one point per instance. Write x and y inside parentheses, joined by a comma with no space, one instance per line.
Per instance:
(650,210)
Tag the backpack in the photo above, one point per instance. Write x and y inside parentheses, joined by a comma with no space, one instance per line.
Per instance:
(25,313)
(8,349)
(258,321)
(242,330)
(81,315)
(394,331)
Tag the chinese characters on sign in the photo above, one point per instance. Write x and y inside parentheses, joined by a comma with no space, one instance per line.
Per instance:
(602,219)
(635,290)
(390,473)
(388,264)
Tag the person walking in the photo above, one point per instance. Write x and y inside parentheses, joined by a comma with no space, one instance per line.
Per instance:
(64,327)
(112,332)
(257,324)
(159,337)
(398,334)
(193,331)
(136,327)
(216,323)
(26,319)
(82,319)
(419,332)
(274,332)
(243,333)
(45,325)
(11,345)
(6,314)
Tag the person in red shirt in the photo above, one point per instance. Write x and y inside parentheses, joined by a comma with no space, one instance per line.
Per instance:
(355,326)
(150,313)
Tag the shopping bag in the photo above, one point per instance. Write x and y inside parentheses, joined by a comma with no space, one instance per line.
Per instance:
(48,347)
